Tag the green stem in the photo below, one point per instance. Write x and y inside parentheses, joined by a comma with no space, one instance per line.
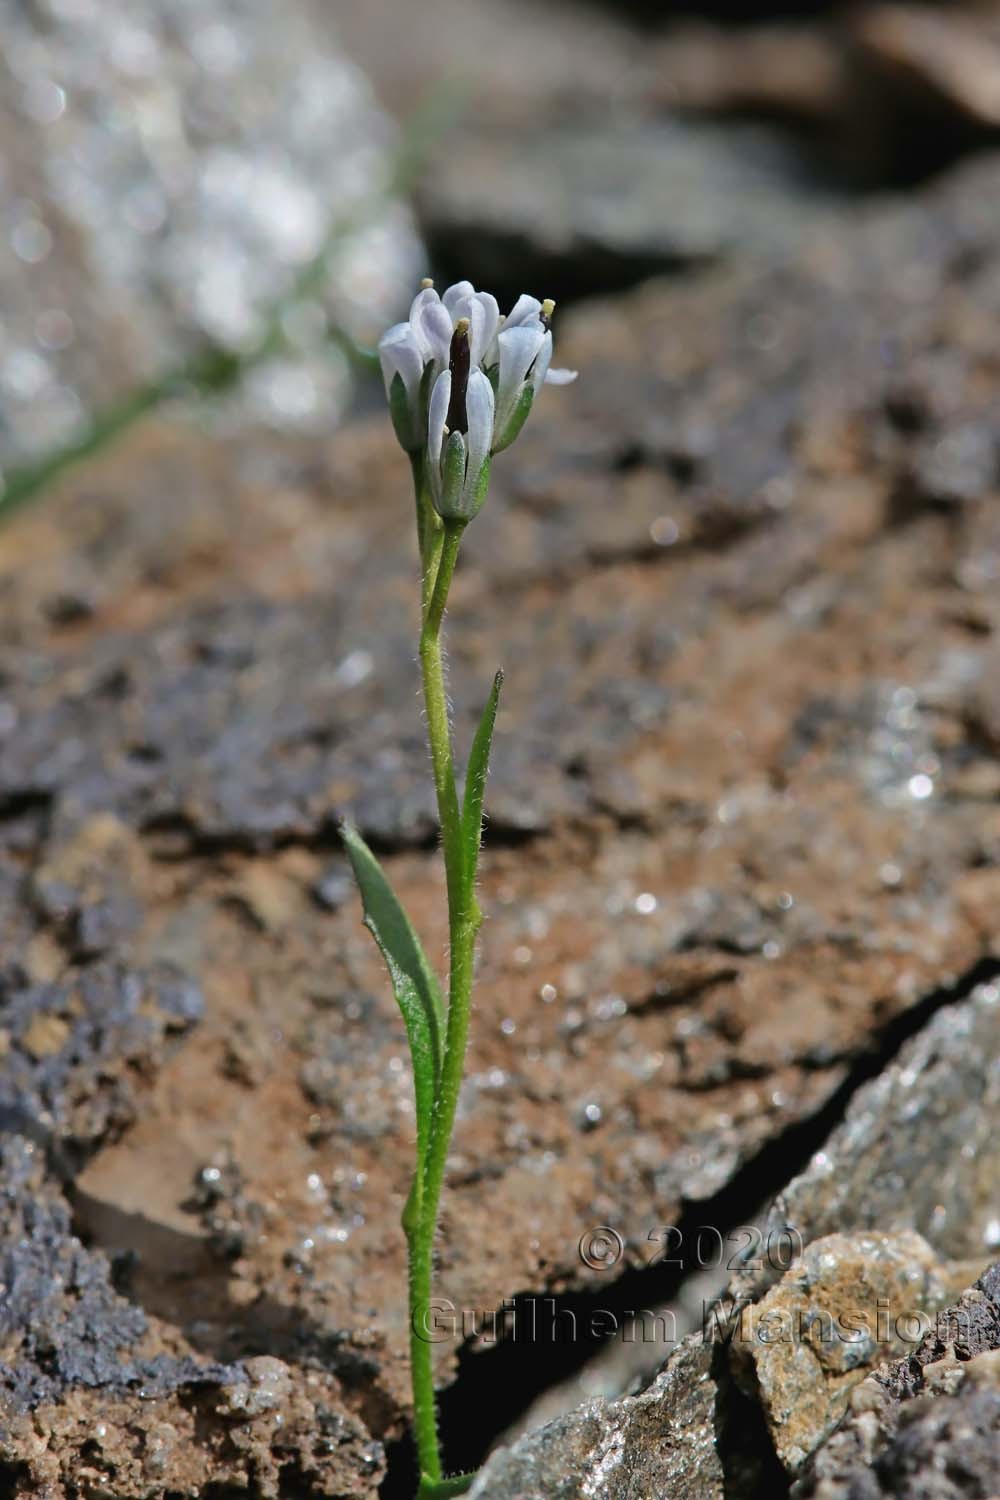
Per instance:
(417,467)
(438,727)
(463,924)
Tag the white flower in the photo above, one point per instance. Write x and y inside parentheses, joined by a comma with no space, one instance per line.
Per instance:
(462,336)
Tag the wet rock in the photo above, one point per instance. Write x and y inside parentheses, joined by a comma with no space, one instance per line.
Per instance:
(120,256)
(848,1303)
(927,1425)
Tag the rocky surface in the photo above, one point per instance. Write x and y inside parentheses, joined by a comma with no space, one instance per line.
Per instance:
(165,183)
(627,1449)
(742,579)
(928,1426)
(917,1149)
(848,1303)
(594,153)
(97,1398)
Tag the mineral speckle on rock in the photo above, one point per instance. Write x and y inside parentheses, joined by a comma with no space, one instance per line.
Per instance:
(94,1393)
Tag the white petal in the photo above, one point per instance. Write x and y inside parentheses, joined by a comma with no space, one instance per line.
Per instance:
(473,310)
(479,408)
(518,347)
(456,294)
(437,412)
(560,377)
(525,310)
(541,365)
(431,323)
(490,323)
(399,354)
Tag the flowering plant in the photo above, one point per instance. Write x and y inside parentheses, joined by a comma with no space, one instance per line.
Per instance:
(460,381)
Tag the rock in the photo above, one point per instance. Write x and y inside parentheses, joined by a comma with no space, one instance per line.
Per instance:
(554,207)
(926,1427)
(74,1048)
(168,182)
(849,1302)
(93,1394)
(938,1176)
(946,61)
(658,1442)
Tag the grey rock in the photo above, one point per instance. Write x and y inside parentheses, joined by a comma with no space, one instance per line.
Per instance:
(661,1441)
(918,1148)
(595,203)
(167,178)
(72,1048)
(63,1323)
(84,1372)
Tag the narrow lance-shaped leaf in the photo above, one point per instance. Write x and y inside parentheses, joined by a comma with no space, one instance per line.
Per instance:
(416,988)
(475,780)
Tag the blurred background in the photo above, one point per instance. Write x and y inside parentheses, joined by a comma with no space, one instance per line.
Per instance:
(228,200)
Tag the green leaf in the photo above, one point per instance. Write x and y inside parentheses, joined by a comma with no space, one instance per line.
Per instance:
(475,781)
(416,988)
(444,1489)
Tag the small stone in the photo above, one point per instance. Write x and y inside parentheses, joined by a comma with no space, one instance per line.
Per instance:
(267,1387)
(45,1036)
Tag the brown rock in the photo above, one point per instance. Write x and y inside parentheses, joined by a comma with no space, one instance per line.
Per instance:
(927,1425)
(949,56)
(848,1303)
(45,1036)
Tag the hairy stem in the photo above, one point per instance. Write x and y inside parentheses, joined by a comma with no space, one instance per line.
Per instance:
(439,553)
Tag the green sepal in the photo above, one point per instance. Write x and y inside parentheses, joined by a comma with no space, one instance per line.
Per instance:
(431,371)
(450,507)
(475,782)
(402,414)
(518,419)
(416,988)
(479,489)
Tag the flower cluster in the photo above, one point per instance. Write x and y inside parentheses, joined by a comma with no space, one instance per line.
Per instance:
(461,380)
